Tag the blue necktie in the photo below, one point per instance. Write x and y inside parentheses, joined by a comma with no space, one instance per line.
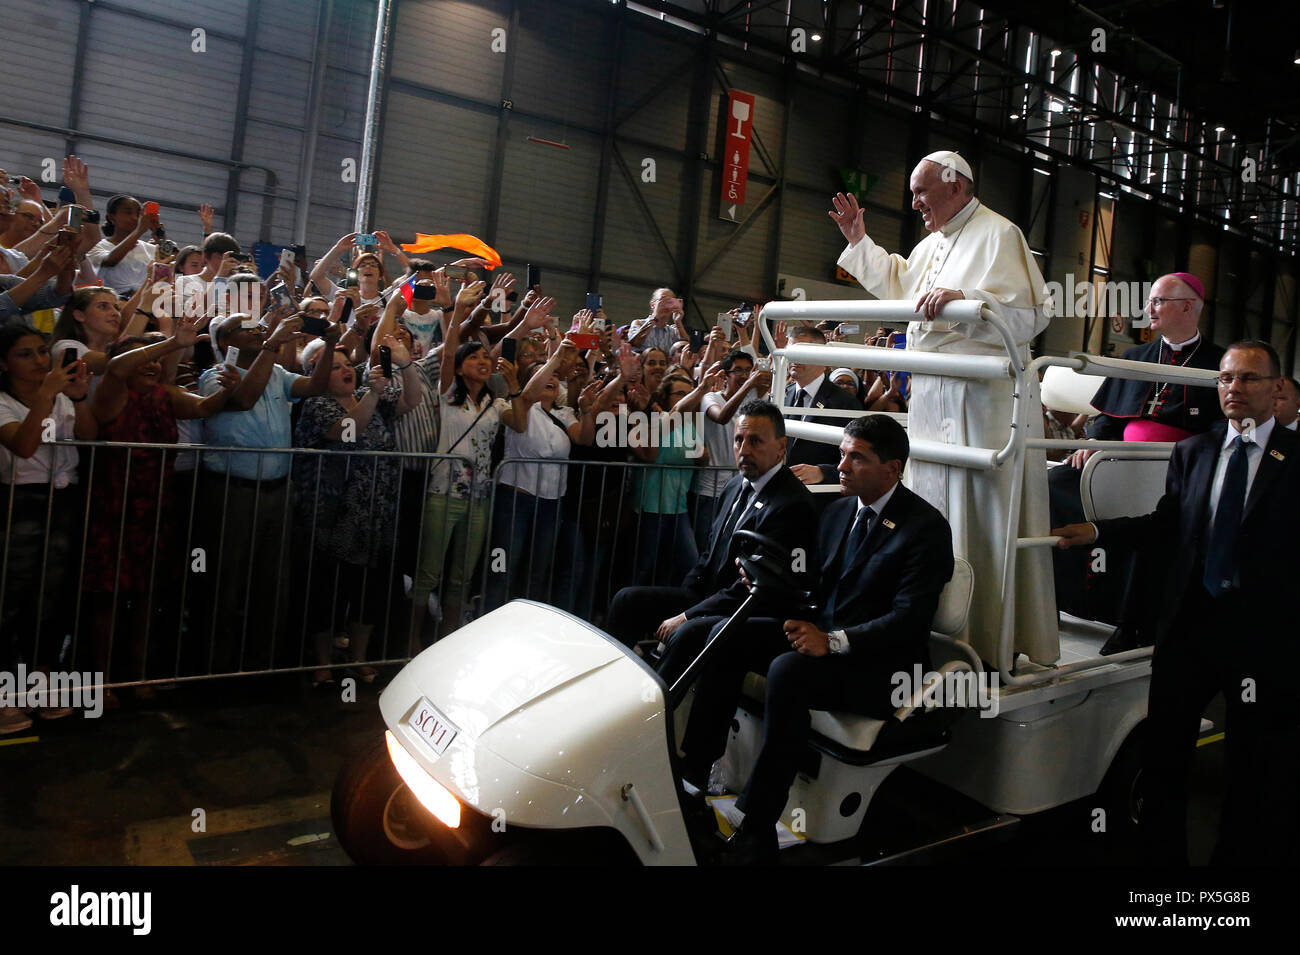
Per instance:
(1220,559)
(852,548)
(857,537)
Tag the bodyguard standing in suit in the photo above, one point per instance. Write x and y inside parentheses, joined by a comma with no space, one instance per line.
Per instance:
(813,462)
(764,497)
(886,555)
(1229,508)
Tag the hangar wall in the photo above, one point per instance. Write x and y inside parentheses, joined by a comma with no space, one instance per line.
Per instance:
(119,83)
(163,113)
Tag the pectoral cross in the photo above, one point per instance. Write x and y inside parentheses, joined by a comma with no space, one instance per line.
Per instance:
(1154,406)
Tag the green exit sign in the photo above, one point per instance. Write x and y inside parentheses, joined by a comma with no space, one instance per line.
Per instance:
(857,183)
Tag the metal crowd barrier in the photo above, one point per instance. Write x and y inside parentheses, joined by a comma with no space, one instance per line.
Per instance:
(206,574)
(575,552)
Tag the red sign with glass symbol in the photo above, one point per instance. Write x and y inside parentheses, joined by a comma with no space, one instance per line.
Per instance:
(735,146)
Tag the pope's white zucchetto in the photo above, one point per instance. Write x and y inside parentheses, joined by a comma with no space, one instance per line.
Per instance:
(953,161)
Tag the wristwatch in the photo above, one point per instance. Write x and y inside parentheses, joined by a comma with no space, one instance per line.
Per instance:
(837,641)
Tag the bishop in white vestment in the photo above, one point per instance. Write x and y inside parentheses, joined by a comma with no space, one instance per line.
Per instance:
(971,252)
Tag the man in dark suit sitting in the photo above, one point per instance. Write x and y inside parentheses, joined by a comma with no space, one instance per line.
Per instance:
(1226,622)
(813,462)
(764,497)
(886,555)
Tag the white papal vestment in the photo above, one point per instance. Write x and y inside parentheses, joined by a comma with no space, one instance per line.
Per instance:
(985,256)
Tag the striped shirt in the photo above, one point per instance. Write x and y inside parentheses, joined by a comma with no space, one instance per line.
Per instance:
(661,337)
(417,431)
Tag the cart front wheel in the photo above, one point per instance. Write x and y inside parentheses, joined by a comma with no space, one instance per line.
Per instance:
(378,820)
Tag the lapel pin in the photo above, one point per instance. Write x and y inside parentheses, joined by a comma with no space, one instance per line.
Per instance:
(758,505)
(1194,411)
(1278,454)
(887,522)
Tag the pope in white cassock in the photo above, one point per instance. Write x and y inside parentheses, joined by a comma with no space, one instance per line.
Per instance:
(970,253)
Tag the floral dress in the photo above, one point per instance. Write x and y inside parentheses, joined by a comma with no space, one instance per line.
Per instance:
(347,503)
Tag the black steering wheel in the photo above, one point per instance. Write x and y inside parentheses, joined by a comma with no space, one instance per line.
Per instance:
(769,566)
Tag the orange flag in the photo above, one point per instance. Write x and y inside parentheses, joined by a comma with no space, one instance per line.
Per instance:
(461,241)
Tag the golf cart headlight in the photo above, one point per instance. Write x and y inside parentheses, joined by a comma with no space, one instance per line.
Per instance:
(432,795)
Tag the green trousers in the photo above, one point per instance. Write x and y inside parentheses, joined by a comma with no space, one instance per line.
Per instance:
(451,541)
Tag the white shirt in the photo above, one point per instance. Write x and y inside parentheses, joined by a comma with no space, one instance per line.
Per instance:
(756,488)
(131,271)
(36,469)
(461,437)
(718,439)
(542,440)
(15,259)
(811,388)
(1292,425)
(760,482)
(424,329)
(1254,454)
(82,349)
(878,505)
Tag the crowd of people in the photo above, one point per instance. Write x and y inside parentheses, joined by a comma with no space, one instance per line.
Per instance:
(217,557)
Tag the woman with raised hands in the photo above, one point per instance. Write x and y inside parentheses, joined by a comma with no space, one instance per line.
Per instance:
(528,511)
(89,324)
(131,549)
(347,503)
(457,506)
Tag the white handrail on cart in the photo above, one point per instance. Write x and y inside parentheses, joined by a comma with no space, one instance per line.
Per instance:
(852,355)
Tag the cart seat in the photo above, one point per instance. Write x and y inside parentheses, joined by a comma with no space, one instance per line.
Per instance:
(1125,483)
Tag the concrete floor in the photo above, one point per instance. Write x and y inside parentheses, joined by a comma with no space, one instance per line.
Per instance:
(259,755)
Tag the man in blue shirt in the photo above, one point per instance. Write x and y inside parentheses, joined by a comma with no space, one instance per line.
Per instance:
(246,496)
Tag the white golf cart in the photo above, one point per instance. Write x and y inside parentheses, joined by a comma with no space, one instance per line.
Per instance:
(531,736)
